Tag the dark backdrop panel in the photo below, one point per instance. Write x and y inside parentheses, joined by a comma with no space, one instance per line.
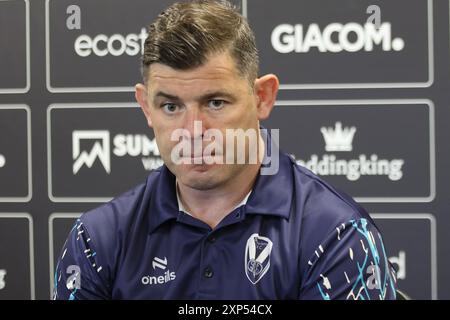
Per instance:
(366,108)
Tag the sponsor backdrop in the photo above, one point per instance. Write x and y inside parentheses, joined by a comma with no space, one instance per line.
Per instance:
(364,103)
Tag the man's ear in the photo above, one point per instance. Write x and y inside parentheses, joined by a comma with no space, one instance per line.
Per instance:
(266,89)
(142,98)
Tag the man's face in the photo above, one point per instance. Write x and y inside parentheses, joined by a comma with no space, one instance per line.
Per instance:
(215,94)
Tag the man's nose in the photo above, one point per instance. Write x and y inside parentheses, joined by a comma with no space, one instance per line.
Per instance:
(194,122)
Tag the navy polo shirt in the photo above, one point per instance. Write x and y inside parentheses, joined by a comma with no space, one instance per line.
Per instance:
(296,237)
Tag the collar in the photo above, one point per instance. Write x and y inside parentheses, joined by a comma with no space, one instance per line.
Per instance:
(271,194)
(181,208)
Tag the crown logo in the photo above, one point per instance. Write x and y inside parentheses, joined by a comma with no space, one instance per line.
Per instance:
(338,138)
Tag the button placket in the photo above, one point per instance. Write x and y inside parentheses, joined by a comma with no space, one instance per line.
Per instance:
(208,271)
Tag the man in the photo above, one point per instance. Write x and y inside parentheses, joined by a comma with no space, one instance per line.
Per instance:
(204,228)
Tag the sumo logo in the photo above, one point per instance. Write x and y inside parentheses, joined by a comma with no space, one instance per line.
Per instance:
(335,37)
(123,145)
(340,139)
(100,150)
(257,257)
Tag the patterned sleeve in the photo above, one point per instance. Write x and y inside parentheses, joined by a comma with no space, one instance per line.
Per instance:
(78,274)
(351,264)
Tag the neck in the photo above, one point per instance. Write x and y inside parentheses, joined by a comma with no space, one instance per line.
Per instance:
(224,198)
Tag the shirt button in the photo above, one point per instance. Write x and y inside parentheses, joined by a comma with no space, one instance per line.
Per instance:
(208,272)
(211,239)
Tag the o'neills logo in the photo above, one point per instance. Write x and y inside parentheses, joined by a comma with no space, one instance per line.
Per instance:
(167,277)
(159,263)
(335,37)
(339,139)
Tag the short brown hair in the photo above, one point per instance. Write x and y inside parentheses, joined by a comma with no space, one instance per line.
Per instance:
(186,33)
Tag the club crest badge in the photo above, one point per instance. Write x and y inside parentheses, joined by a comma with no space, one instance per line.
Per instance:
(257,257)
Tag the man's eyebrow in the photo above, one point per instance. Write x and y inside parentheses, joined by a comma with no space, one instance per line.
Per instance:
(161,94)
(207,96)
(216,94)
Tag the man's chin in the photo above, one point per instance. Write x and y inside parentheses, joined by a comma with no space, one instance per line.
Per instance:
(200,183)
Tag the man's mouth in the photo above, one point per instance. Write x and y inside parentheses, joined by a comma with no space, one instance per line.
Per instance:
(202,158)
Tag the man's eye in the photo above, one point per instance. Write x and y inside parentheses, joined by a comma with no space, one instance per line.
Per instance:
(216,104)
(169,107)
